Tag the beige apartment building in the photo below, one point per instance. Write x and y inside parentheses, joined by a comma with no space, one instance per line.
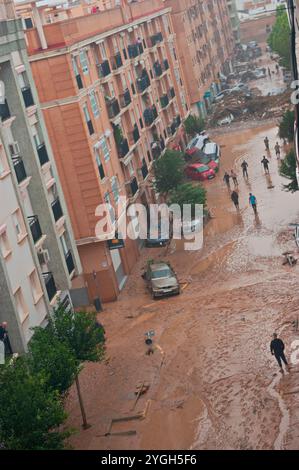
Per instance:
(205,45)
(38,255)
(112,92)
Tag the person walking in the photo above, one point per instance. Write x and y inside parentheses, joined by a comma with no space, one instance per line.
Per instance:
(235,198)
(226,178)
(253,202)
(244,166)
(269,72)
(277,150)
(234,178)
(266,142)
(277,350)
(265,163)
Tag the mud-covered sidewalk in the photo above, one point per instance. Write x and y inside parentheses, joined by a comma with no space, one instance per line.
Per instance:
(213,383)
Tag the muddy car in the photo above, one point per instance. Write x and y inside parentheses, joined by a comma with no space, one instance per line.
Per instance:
(161,280)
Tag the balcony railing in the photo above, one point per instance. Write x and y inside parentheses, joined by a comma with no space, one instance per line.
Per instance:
(133,50)
(125,99)
(27,96)
(69,262)
(57,210)
(104,69)
(155,39)
(79,81)
(112,108)
(123,148)
(35,228)
(158,69)
(164,100)
(142,83)
(134,186)
(50,285)
(117,61)
(19,169)
(42,154)
(4,111)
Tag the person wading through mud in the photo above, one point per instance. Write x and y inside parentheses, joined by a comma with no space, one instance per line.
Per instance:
(277,350)
(234,178)
(253,202)
(235,198)
(265,162)
(277,150)
(226,178)
(266,142)
(244,166)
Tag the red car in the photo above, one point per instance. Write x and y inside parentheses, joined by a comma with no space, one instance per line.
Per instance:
(199,171)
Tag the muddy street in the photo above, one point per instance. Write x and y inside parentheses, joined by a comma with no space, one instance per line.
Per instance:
(213,382)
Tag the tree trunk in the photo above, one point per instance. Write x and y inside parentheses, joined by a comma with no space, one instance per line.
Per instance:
(85,424)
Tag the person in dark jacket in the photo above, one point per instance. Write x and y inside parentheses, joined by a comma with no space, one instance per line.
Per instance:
(226,178)
(244,166)
(277,350)
(265,163)
(235,198)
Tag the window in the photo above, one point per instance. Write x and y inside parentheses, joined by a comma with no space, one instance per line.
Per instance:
(75,66)
(115,188)
(84,62)
(103,50)
(22,79)
(21,305)
(28,23)
(94,104)
(19,224)
(99,163)
(35,286)
(36,135)
(4,243)
(86,113)
(104,149)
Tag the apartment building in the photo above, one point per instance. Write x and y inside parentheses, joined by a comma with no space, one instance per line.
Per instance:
(205,46)
(38,254)
(113,97)
(234,19)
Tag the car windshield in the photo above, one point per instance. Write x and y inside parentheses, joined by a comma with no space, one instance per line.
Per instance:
(161,273)
(201,169)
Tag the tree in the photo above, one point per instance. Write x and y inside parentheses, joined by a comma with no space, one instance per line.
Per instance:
(286,126)
(169,171)
(194,125)
(48,355)
(187,193)
(280,39)
(30,412)
(288,170)
(84,337)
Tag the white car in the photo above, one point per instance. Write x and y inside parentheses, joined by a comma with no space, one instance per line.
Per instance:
(212,150)
(198,142)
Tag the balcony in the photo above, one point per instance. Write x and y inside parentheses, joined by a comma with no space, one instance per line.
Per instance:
(125,99)
(164,100)
(134,186)
(42,154)
(19,169)
(149,115)
(35,229)
(156,150)
(79,81)
(155,39)
(171,93)
(104,69)
(50,285)
(165,64)
(158,69)
(133,51)
(57,210)
(69,262)
(178,120)
(112,107)
(123,148)
(27,96)
(117,61)
(144,170)
(4,111)
(135,134)
(142,83)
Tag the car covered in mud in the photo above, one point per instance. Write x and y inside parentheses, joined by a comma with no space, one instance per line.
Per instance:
(161,279)
(212,151)
(197,143)
(199,172)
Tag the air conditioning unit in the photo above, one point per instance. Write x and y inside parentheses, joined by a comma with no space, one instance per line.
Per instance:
(43,256)
(14,149)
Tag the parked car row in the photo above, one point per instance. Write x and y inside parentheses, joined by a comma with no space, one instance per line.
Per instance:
(203,157)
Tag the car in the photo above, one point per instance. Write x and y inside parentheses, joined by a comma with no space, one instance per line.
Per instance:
(158,236)
(161,279)
(199,172)
(212,150)
(226,120)
(197,143)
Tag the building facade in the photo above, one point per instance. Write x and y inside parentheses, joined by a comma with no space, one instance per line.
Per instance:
(38,255)
(234,19)
(113,97)
(205,47)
